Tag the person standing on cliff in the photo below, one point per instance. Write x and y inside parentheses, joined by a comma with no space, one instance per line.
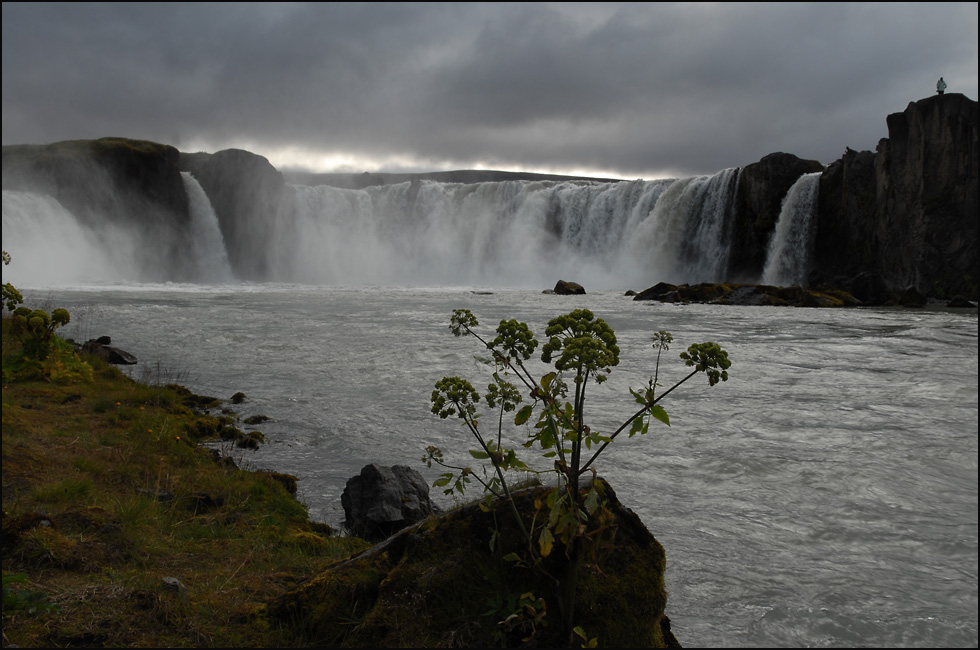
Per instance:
(940,86)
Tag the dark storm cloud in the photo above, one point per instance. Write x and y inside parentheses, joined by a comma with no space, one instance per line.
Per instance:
(633,88)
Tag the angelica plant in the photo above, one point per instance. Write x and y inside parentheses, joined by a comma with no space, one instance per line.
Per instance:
(582,350)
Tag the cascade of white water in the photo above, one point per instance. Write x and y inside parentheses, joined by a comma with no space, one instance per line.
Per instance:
(511,233)
(207,244)
(49,247)
(789,249)
(686,238)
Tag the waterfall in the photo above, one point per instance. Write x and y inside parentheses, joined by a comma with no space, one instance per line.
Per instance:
(50,247)
(529,234)
(788,258)
(512,233)
(687,237)
(207,244)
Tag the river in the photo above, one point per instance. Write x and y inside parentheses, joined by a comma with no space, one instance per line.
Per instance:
(826,495)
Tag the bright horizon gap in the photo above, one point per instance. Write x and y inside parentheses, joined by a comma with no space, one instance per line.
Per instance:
(353,164)
(301,159)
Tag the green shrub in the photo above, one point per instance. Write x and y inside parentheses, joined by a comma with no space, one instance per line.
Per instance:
(11,297)
(582,349)
(43,354)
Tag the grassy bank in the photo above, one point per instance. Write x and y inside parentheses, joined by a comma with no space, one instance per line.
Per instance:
(120,529)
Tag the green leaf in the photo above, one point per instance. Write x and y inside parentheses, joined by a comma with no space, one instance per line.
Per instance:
(546,542)
(443,479)
(479,455)
(548,436)
(659,413)
(523,415)
(547,379)
(591,501)
(637,426)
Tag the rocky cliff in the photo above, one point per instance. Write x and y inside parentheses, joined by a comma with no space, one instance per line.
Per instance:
(909,211)
(246,192)
(132,183)
(761,189)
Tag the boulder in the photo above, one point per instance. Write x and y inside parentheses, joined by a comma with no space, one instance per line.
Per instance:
(100,347)
(870,288)
(564,288)
(911,297)
(445,583)
(382,500)
(959,302)
(747,294)
(657,292)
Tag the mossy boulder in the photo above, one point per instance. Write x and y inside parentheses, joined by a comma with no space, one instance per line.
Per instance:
(566,288)
(747,294)
(443,583)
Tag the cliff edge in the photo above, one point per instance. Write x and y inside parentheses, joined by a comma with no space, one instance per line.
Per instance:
(908,211)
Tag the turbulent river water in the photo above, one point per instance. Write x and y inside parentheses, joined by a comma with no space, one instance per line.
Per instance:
(825,496)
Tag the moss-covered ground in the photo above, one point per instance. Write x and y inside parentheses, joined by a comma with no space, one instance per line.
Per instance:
(107,492)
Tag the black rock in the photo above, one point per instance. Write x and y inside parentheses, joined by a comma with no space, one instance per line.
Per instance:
(382,500)
(564,288)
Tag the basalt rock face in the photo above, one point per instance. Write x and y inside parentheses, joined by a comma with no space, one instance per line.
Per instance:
(134,184)
(246,193)
(111,177)
(846,243)
(762,186)
(908,211)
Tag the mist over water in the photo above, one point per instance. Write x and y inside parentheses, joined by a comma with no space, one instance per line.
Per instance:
(50,246)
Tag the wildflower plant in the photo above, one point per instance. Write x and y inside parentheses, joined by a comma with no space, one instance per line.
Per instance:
(550,413)
(43,353)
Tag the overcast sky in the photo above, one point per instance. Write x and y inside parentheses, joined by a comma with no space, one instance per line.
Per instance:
(622,90)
